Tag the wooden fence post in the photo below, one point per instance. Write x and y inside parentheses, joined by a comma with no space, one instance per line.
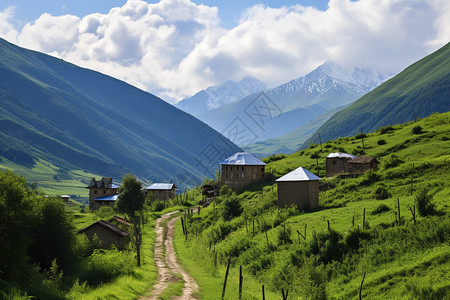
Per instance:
(413,212)
(263,294)
(364,219)
(240,282)
(361,286)
(226,277)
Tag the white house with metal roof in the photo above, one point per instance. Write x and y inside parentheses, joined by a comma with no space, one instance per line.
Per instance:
(299,187)
(162,191)
(242,169)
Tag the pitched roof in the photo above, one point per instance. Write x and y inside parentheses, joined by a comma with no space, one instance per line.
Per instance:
(362,160)
(243,158)
(109,226)
(107,198)
(161,186)
(340,155)
(120,220)
(299,174)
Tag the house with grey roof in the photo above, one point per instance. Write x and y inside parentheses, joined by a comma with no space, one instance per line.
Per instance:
(162,191)
(242,169)
(299,187)
(102,193)
(108,234)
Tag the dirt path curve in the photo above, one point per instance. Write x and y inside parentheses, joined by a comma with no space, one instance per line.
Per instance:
(166,261)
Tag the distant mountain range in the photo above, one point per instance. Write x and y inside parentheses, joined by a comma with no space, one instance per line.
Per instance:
(217,96)
(420,90)
(278,111)
(75,118)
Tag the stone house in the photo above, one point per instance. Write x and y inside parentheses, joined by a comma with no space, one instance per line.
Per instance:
(108,234)
(337,163)
(361,164)
(299,187)
(162,191)
(102,193)
(241,170)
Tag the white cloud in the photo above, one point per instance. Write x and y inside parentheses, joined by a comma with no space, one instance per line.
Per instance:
(175,48)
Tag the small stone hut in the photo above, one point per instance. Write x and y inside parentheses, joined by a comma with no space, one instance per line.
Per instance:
(241,170)
(108,234)
(361,164)
(162,191)
(299,187)
(102,193)
(337,163)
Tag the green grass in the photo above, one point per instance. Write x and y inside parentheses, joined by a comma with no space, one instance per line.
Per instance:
(400,260)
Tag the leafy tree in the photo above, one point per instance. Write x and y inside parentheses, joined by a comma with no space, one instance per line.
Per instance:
(15,222)
(424,204)
(131,202)
(232,208)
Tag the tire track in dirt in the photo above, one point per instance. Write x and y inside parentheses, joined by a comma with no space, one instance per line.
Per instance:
(166,261)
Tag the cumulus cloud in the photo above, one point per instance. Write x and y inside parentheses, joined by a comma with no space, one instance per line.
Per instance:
(174,48)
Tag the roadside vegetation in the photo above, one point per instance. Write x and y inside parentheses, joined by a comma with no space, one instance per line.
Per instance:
(389,227)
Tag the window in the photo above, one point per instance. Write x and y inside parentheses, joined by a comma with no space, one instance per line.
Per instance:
(242,168)
(95,191)
(242,175)
(334,162)
(231,168)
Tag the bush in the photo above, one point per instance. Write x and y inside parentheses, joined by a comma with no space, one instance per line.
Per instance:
(381,193)
(392,161)
(381,209)
(423,202)
(416,130)
(105,265)
(369,178)
(386,129)
(231,208)
(381,142)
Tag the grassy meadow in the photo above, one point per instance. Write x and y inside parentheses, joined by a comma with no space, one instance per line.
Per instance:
(300,252)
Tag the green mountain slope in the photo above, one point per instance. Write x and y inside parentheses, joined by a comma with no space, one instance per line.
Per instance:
(78,119)
(363,228)
(420,90)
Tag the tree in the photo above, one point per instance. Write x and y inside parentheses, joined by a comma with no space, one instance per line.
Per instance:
(131,202)
(16,219)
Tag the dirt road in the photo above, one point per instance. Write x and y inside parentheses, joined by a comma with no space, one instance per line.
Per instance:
(166,261)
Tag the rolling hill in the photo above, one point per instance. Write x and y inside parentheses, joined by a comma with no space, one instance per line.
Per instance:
(70,118)
(420,90)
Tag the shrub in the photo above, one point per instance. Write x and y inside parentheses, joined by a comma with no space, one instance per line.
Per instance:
(423,202)
(381,193)
(358,152)
(381,142)
(381,209)
(273,157)
(231,208)
(369,178)
(392,161)
(284,235)
(328,246)
(360,136)
(386,129)
(105,265)
(416,130)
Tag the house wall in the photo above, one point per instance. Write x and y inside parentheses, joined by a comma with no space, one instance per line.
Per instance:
(97,204)
(99,192)
(304,194)
(363,167)
(337,165)
(237,177)
(107,237)
(164,194)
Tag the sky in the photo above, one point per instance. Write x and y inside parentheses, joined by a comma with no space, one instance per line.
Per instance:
(175,48)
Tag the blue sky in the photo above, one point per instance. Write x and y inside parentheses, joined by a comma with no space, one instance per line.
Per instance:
(174,48)
(229,10)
